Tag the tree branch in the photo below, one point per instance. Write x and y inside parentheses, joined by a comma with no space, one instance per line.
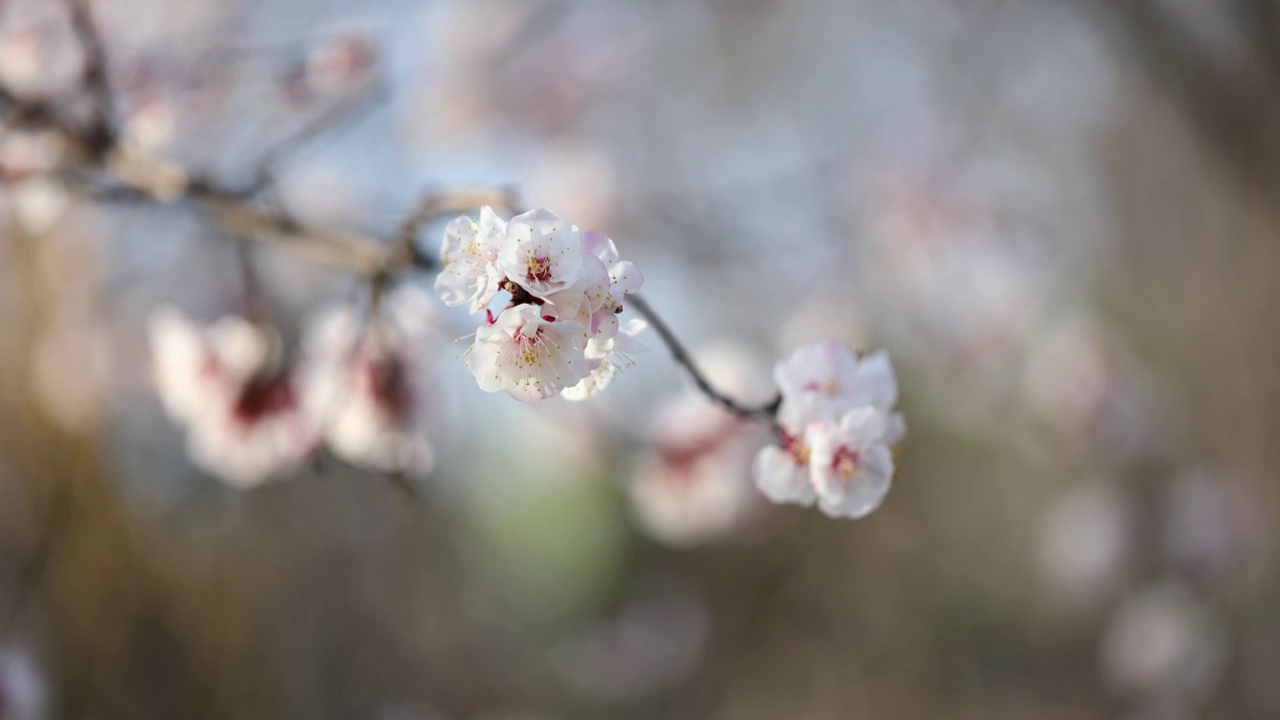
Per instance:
(682,357)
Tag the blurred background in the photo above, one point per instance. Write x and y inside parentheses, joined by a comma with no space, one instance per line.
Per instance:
(1058,217)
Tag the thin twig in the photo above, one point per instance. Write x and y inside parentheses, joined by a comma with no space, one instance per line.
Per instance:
(682,357)
(101,135)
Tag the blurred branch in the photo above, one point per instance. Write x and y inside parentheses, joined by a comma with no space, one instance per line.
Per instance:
(682,357)
(346,110)
(105,169)
(100,167)
(100,136)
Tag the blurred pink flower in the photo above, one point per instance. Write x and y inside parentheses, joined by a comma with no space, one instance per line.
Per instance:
(244,413)
(366,383)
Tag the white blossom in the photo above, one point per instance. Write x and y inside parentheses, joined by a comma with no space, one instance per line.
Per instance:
(559,334)
(695,485)
(530,356)
(468,256)
(366,381)
(541,253)
(243,413)
(835,424)
(850,465)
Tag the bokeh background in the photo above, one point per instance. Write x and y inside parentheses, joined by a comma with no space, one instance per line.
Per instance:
(1058,217)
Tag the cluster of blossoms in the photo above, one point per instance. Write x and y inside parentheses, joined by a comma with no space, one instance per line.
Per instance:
(836,423)
(559,334)
(358,386)
(251,417)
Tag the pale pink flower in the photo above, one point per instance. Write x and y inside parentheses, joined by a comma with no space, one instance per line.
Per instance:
(695,485)
(366,382)
(243,413)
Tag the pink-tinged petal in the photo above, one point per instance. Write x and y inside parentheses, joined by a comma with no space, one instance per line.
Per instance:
(600,245)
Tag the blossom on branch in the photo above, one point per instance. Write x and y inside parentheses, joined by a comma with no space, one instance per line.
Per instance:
(559,334)
(243,412)
(835,425)
(365,383)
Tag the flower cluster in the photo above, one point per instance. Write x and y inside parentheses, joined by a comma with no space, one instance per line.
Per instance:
(559,334)
(836,423)
(251,417)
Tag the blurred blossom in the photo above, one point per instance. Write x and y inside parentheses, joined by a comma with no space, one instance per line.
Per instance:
(368,386)
(38,204)
(1068,372)
(335,62)
(150,124)
(694,486)
(243,412)
(23,688)
(39,55)
(73,369)
(1212,526)
(1162,642)
(1085,543)
(652,641)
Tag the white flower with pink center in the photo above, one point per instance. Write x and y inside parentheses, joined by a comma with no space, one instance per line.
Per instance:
(469,256)
(366,381)
(850,465)
(243,413)
(835,423)
(540,253)
(695,486)
(529,355)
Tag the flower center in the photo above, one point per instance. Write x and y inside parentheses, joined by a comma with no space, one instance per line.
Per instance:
(826,387)
(389,384)
(845,462)
(538,268)
(794,445)
(262,398)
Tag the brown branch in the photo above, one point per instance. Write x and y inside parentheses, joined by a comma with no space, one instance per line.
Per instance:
(100,136)
(682,357)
